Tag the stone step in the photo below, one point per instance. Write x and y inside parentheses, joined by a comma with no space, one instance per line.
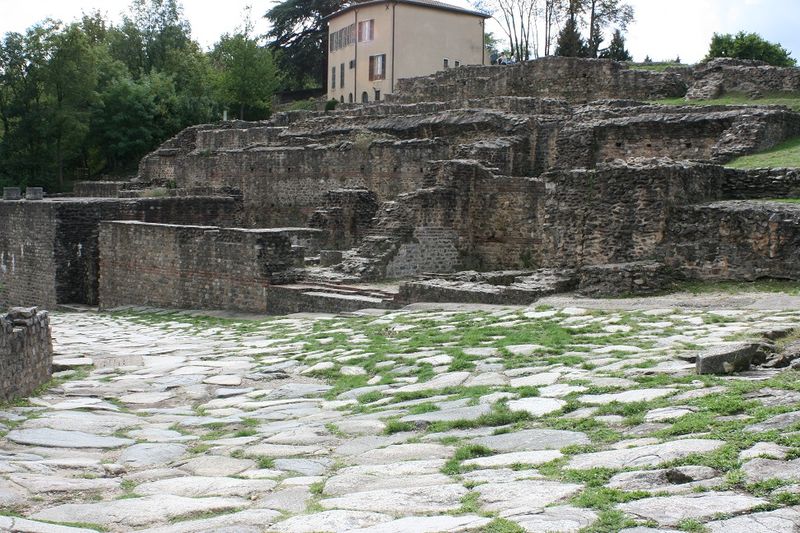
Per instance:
(325,298)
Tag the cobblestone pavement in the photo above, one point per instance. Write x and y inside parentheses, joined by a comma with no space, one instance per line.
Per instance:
(498,420)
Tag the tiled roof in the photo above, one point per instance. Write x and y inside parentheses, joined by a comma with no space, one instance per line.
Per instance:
(434,4)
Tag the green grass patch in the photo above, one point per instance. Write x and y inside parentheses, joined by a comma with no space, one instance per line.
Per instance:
(394,425)
(501,525)
(464,453)
(735,287)
(786,154)
(791,101)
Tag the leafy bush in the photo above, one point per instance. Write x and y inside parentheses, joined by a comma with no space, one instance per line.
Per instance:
(749,46)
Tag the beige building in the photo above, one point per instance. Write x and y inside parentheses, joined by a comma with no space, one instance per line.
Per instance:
(372,44)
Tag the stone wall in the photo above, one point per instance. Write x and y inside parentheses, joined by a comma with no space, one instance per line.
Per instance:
(26,352)
(192,267)
(761,183)
(735,240)
(48,249)
(574,79)
(98,189)
(345,217)
(473,218)
(753,78)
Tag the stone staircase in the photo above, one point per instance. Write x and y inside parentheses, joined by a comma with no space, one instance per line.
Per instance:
(328,298)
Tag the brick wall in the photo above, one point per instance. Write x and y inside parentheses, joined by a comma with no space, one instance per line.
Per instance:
(48,249)
(191,267)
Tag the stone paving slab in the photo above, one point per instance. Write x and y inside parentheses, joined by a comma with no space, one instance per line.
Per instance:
(358,423)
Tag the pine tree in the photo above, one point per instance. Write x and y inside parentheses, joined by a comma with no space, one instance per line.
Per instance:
(570,43)
(616,50)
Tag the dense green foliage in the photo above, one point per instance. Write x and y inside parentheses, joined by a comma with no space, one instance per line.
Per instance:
(749,46)
(89,98)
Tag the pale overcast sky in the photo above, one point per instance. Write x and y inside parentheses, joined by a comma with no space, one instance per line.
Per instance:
(663,29)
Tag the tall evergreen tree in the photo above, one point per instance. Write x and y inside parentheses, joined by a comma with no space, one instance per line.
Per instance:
(570,43)
(616,50)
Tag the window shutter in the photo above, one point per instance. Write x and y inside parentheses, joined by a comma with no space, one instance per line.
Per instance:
(371,68)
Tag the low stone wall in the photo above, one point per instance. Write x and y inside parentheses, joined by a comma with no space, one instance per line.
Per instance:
(753,78)
(736,240)
(193,267)
(576,80)
(98,189)
(26,352)
(761,183)
(620,279)
(49,252)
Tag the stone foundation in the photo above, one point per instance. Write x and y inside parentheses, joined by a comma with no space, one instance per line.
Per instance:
(26,352)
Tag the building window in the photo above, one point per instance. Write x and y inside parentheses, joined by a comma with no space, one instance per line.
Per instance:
(341,75)
(352,63)
(343,38)
(377,95)
(366,30)
(350,98)
(446,63)
(377,67)
(456,63)
(341,99)
(364,97)
(333,77)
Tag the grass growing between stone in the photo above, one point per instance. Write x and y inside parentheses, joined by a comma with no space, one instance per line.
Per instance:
(734,287)
(784,155)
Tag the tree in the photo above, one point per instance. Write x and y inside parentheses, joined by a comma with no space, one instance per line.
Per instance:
(749,46)
(70,81)
(490,45)
(570,42)
(616,50)
(517,18)
(247,75)
(551,15)
(298,39)
(604,13)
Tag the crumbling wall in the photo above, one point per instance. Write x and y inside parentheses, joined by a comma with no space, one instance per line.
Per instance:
(761,183)
(192,267)
(753,78)
(26,352)
(48,249)
(735,240)
(472,218)
(345,217)
(574,79)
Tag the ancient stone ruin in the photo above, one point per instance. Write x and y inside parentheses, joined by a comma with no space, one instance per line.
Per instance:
(26,352)
(570,176)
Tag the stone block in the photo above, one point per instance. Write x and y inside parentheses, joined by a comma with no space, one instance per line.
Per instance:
(12,193)
(727,358)
(34,193)
(330,257)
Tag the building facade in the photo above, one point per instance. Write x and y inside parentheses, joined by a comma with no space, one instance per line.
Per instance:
(373,44)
